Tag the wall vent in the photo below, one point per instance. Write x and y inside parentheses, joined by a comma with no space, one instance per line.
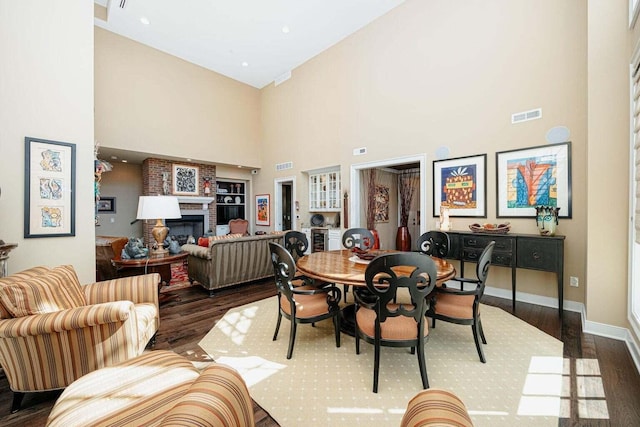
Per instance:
(123,4)
(359,151)
(284,166)
(282,78)
(525,116)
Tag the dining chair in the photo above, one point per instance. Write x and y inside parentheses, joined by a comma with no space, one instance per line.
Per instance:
(296,243)
(434,243)
(301,304)
(357,238)
(380,321)
(462,306)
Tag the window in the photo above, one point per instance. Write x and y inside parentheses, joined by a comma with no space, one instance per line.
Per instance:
(634,185)
(634,8)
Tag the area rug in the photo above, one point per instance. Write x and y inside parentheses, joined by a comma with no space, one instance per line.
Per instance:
(521,383)
(179,278)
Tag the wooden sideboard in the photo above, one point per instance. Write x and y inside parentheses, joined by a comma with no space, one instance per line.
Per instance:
(528,251)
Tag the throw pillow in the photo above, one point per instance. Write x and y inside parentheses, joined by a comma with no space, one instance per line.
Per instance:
(203,241)
(18,277)
(56,290)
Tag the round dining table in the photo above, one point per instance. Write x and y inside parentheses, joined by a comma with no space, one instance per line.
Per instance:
(344,267)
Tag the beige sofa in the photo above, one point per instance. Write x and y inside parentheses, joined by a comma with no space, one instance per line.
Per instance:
(54,330)
(228,262)
(158,388)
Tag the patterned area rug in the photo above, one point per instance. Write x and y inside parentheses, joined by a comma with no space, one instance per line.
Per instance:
(521,383)
(179,278)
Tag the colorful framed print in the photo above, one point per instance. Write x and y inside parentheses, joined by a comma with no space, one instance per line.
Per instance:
(536,176)
(185,180)
(262,209)
(50,197)
(460,184)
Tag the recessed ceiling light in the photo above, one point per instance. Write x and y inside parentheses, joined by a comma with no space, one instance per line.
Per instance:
(240,166)
(245,64)
(114,157)
(285,29)
(124,161)
(144,20)
(188,160)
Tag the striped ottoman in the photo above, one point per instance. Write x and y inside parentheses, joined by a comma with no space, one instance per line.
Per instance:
(435,407)
(157,388)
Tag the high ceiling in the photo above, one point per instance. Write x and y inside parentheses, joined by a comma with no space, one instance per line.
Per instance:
(252,41)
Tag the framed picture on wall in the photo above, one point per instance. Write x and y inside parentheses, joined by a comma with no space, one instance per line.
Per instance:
(262,209)
(185,180)
(107,204)
(536,176)
(460,185)
(50,176)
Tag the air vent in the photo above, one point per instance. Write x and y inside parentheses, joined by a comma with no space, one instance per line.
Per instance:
(123,4)
(526,116)
(359,151)
(282,78)
(284,166)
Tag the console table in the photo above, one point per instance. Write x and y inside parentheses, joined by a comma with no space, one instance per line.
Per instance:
(528,251)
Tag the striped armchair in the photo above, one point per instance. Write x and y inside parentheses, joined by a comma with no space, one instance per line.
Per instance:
(53,330)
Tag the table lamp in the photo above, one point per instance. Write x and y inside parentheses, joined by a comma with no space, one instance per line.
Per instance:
(159,208)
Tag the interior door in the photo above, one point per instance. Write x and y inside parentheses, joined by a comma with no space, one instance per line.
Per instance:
(286,206)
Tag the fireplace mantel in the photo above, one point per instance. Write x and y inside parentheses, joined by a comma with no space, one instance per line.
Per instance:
(194,199)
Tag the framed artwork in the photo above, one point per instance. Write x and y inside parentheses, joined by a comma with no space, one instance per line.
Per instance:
(381,210)
(50,197)
(262,209)
(107,204)
(185,180)
(460,185)
(536,176)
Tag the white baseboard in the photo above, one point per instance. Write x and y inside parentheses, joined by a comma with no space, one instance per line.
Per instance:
(588,327)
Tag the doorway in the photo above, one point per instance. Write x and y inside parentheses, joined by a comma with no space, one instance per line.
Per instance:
(284,210)
(418,223)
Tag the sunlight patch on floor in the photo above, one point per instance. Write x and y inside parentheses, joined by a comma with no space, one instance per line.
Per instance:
(253,369)
(236,325)
(543,387)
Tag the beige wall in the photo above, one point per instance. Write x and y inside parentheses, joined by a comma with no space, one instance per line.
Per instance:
(152,102)
(434,73)
(46,87)
(125,183)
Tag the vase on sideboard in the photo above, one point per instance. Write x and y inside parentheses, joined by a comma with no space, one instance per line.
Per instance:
(376,239)
(547,220)
(403,239)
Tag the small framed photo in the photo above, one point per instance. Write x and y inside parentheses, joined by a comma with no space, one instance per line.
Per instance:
(185,180)
(536,176)
(107,204)
(262,209)
(50,197)
(460,184)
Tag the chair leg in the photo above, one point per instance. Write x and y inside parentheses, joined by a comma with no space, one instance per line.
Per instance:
(336,324)
(484,340)
(292,338)
(275,334)
(423,367)
(376,366)
(476,338)
(17,401)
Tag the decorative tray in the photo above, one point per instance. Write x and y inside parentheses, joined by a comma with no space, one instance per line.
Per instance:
(491,228)
(364,255)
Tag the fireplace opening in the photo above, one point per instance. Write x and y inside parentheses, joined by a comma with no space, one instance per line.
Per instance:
(188,225)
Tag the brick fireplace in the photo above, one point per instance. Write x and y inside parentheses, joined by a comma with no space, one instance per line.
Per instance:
(199,215)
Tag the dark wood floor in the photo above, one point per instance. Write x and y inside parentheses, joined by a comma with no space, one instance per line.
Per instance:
(185,321)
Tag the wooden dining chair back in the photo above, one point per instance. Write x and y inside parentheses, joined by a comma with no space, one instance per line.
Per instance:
(296,243)
(301,304)
(358,238)
(434,243)
(462,306)
(380,321)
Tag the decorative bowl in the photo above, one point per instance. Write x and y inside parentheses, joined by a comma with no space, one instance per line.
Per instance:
(491,228)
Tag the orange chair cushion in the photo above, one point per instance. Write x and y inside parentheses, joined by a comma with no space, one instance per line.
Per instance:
(458,306)
(306,305)
(394,328)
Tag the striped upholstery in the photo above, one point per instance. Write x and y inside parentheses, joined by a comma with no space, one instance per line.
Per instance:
(158,388)
(435,407)
(18,277)
(51,350)
(56,290)
(231,261)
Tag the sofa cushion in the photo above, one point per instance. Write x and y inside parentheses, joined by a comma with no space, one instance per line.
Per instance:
(52,291)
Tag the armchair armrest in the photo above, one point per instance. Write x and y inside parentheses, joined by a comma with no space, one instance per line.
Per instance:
(197,251)
(218,397)
(66,320)
(137,289)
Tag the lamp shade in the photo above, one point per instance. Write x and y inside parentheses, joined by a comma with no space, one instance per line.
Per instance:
(157,207)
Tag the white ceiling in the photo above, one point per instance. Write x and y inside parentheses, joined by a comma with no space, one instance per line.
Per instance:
(222,35)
